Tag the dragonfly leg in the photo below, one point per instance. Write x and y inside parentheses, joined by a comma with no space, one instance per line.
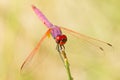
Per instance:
(61,49)
(57,48)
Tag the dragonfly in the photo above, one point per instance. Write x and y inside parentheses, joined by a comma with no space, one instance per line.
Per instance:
(60,38)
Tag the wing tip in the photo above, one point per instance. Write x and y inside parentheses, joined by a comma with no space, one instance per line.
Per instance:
(109,44)
(101,48)
(22,67)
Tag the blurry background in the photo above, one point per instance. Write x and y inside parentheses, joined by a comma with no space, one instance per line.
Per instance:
(20,30)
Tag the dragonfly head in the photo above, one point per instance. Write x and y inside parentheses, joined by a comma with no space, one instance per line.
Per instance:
(61,39)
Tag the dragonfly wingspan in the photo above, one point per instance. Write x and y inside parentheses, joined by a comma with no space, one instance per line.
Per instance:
(35,49)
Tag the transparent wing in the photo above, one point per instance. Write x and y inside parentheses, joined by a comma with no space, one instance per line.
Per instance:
(30,56)
(95,42)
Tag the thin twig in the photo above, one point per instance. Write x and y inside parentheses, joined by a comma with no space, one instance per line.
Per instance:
(66,63)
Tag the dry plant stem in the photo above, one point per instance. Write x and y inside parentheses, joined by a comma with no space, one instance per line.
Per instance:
(66,63)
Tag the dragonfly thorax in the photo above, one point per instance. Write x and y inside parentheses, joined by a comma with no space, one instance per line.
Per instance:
(61,39)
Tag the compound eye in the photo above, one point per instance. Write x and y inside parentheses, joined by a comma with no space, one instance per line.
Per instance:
(58,39)
(64,40)
(61,39)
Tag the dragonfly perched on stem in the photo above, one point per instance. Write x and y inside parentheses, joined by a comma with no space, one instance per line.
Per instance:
(58,36)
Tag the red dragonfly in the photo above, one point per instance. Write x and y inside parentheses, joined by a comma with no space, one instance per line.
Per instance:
(58,36)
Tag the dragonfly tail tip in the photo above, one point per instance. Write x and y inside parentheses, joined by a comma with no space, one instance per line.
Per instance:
(33,6)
